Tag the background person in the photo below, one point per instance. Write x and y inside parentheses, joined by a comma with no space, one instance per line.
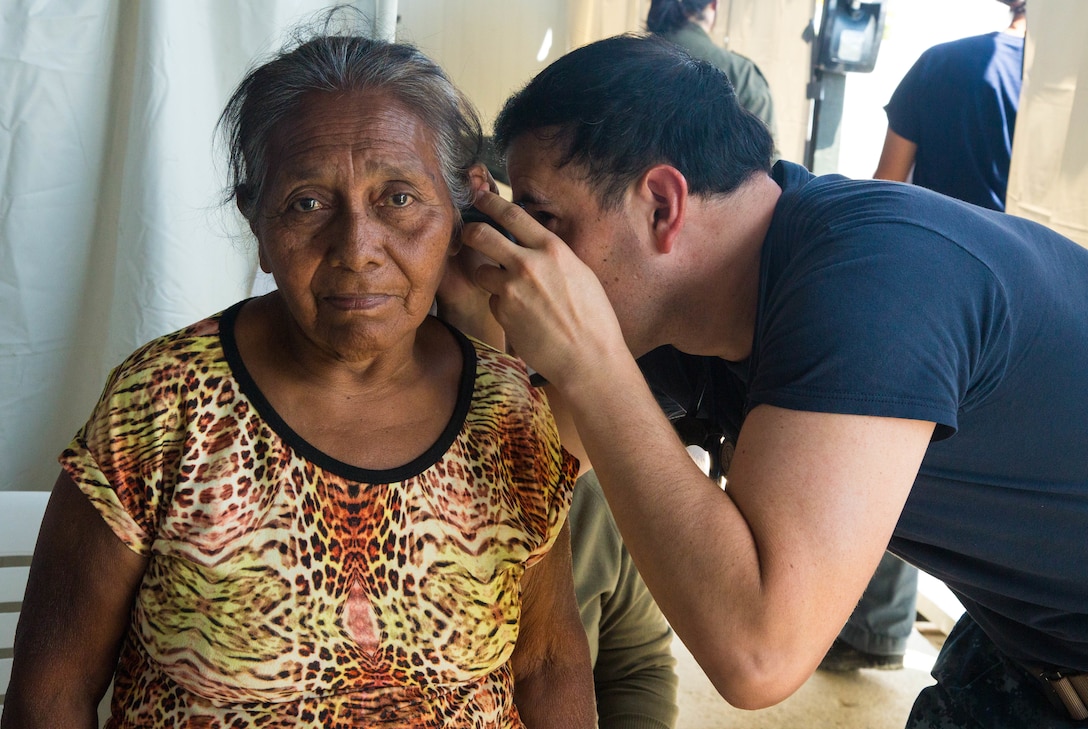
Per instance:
(322,507)
(952,117)
(689,23)
(890,340)
(630,643)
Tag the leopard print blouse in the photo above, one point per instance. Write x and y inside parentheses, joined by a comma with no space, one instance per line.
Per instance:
(286,588)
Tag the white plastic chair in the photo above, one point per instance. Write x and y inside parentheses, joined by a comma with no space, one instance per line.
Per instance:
(20,517)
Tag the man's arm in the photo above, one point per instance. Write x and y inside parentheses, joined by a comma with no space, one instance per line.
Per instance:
(772,568)
(634,678)
(83,580)
(896,158)
(553,683)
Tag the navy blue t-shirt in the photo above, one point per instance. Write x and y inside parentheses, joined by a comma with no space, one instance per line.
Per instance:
(879,298)
(958,103)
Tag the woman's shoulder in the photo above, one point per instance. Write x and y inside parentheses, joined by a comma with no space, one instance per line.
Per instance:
(499,363)
(196,346)
(504,376)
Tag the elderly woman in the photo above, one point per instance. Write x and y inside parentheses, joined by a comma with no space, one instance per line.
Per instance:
(322,507)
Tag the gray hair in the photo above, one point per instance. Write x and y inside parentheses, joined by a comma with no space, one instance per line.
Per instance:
(337,63)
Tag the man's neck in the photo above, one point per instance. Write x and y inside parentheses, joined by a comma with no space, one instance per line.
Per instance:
(705,19)
(714,310)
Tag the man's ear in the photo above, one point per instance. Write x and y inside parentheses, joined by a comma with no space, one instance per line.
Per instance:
(665,190)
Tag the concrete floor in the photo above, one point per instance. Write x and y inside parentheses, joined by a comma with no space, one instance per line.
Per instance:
(859,700)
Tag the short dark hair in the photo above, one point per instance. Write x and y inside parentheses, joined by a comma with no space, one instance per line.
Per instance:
(666,16)
(621,105)
(318,60)
(1018,7)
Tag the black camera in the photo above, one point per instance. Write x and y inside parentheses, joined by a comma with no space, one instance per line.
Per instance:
(473,215)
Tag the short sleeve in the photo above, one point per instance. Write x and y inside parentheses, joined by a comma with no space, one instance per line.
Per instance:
(134,436)
(557,472)
(514,432)
(887,319)
(906,106)
(100,464)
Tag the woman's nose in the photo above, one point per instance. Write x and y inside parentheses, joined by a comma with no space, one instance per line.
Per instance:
(357,241)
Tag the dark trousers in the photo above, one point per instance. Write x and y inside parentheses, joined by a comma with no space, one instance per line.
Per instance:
(979,688)
(884,618)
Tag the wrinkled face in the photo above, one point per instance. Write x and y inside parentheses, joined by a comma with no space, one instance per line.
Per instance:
(355,224)
(605,240)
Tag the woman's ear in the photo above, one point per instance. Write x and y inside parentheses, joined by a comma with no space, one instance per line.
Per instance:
(481,179)
(455,242)
(262,260)
(243,200)
(245,207)
(665,191)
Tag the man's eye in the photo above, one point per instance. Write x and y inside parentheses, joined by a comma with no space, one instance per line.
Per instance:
(542,217)
(305,205)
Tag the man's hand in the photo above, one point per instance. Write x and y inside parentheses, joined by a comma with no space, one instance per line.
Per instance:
(460,301)
(552,307)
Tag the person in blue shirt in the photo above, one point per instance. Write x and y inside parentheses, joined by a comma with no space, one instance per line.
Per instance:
(952,117)
(911,369)
(950,129)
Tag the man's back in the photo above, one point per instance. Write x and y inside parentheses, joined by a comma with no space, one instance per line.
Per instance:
(884,299)
(958,104)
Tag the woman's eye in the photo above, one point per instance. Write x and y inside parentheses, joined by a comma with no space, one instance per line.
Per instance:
(399,199)
(305,205)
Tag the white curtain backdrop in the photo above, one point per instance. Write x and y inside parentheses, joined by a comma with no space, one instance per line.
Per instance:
(111,228)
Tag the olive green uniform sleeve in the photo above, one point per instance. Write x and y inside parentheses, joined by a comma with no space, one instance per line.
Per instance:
(634,671)
(753,91)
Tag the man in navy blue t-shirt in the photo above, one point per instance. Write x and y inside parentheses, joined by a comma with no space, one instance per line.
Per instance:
(950,129)
(910,371)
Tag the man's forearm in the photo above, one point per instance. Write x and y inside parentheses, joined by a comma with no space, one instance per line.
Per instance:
(670,514)
(771,567)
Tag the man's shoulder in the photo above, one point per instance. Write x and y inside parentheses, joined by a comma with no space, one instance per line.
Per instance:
(828,212)
(970,50)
